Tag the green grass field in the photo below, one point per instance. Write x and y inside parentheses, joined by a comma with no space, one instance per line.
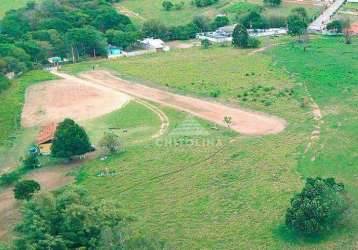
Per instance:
(14,140)
(152,9)
(137,127)
(223,194)
(332,81)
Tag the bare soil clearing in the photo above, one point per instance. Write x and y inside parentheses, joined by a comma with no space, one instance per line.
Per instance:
(243,121)
(70,97)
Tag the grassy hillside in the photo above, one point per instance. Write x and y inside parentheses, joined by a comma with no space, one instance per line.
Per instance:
(332,81)
(233,194)
(6,5)
(142,10)
(225,189)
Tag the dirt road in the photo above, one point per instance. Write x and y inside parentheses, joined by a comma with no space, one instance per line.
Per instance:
(243,121)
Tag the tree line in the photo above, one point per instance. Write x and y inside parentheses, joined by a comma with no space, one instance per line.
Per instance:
(63,28)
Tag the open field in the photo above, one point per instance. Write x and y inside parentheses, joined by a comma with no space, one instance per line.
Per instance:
(332,82)
(233,194)
(226,74)
(142,10)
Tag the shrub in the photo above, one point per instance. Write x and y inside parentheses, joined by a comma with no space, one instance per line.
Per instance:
(273,2)
(24,190)
(204,3)
(31,161)
(167,5)
(4,83)
(179,6)
(318,207)
(9,178)
(336,26)
(205,43)
(215,93)
(110,143)
(253,42)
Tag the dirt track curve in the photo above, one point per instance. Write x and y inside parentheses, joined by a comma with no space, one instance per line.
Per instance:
(243,121)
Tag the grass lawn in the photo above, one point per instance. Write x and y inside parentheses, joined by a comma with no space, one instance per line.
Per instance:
(14,140)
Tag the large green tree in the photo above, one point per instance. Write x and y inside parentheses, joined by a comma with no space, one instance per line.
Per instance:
(70,140)
(69,220)
(296,25)
(318,207)
(240,36)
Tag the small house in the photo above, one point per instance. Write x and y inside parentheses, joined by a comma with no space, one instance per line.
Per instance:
(154,44)
(45,138)
(114,51)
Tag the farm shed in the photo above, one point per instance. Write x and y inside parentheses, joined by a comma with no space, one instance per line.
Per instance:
(114,51)
(45,138)
(154,44)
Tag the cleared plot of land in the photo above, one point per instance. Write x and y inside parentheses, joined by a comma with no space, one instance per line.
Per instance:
(54,101)
(243,121)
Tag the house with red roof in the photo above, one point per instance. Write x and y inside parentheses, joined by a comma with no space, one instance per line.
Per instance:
(45,138)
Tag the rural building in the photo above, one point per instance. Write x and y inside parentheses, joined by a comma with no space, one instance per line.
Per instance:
(114,51)
(45,138)
(154,44)
(224,34)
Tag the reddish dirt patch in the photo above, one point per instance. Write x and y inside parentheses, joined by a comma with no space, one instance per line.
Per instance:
(354,28)
(243,121)
(56,100)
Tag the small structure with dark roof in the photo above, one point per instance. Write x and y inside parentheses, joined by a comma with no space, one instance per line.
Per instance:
(45,138)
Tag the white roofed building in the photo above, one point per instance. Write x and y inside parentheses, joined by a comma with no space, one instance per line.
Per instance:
(154,44)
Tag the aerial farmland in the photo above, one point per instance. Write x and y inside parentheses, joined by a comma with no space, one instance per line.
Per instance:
(204,124)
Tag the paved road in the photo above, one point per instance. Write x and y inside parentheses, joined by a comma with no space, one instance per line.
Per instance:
(320,23)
